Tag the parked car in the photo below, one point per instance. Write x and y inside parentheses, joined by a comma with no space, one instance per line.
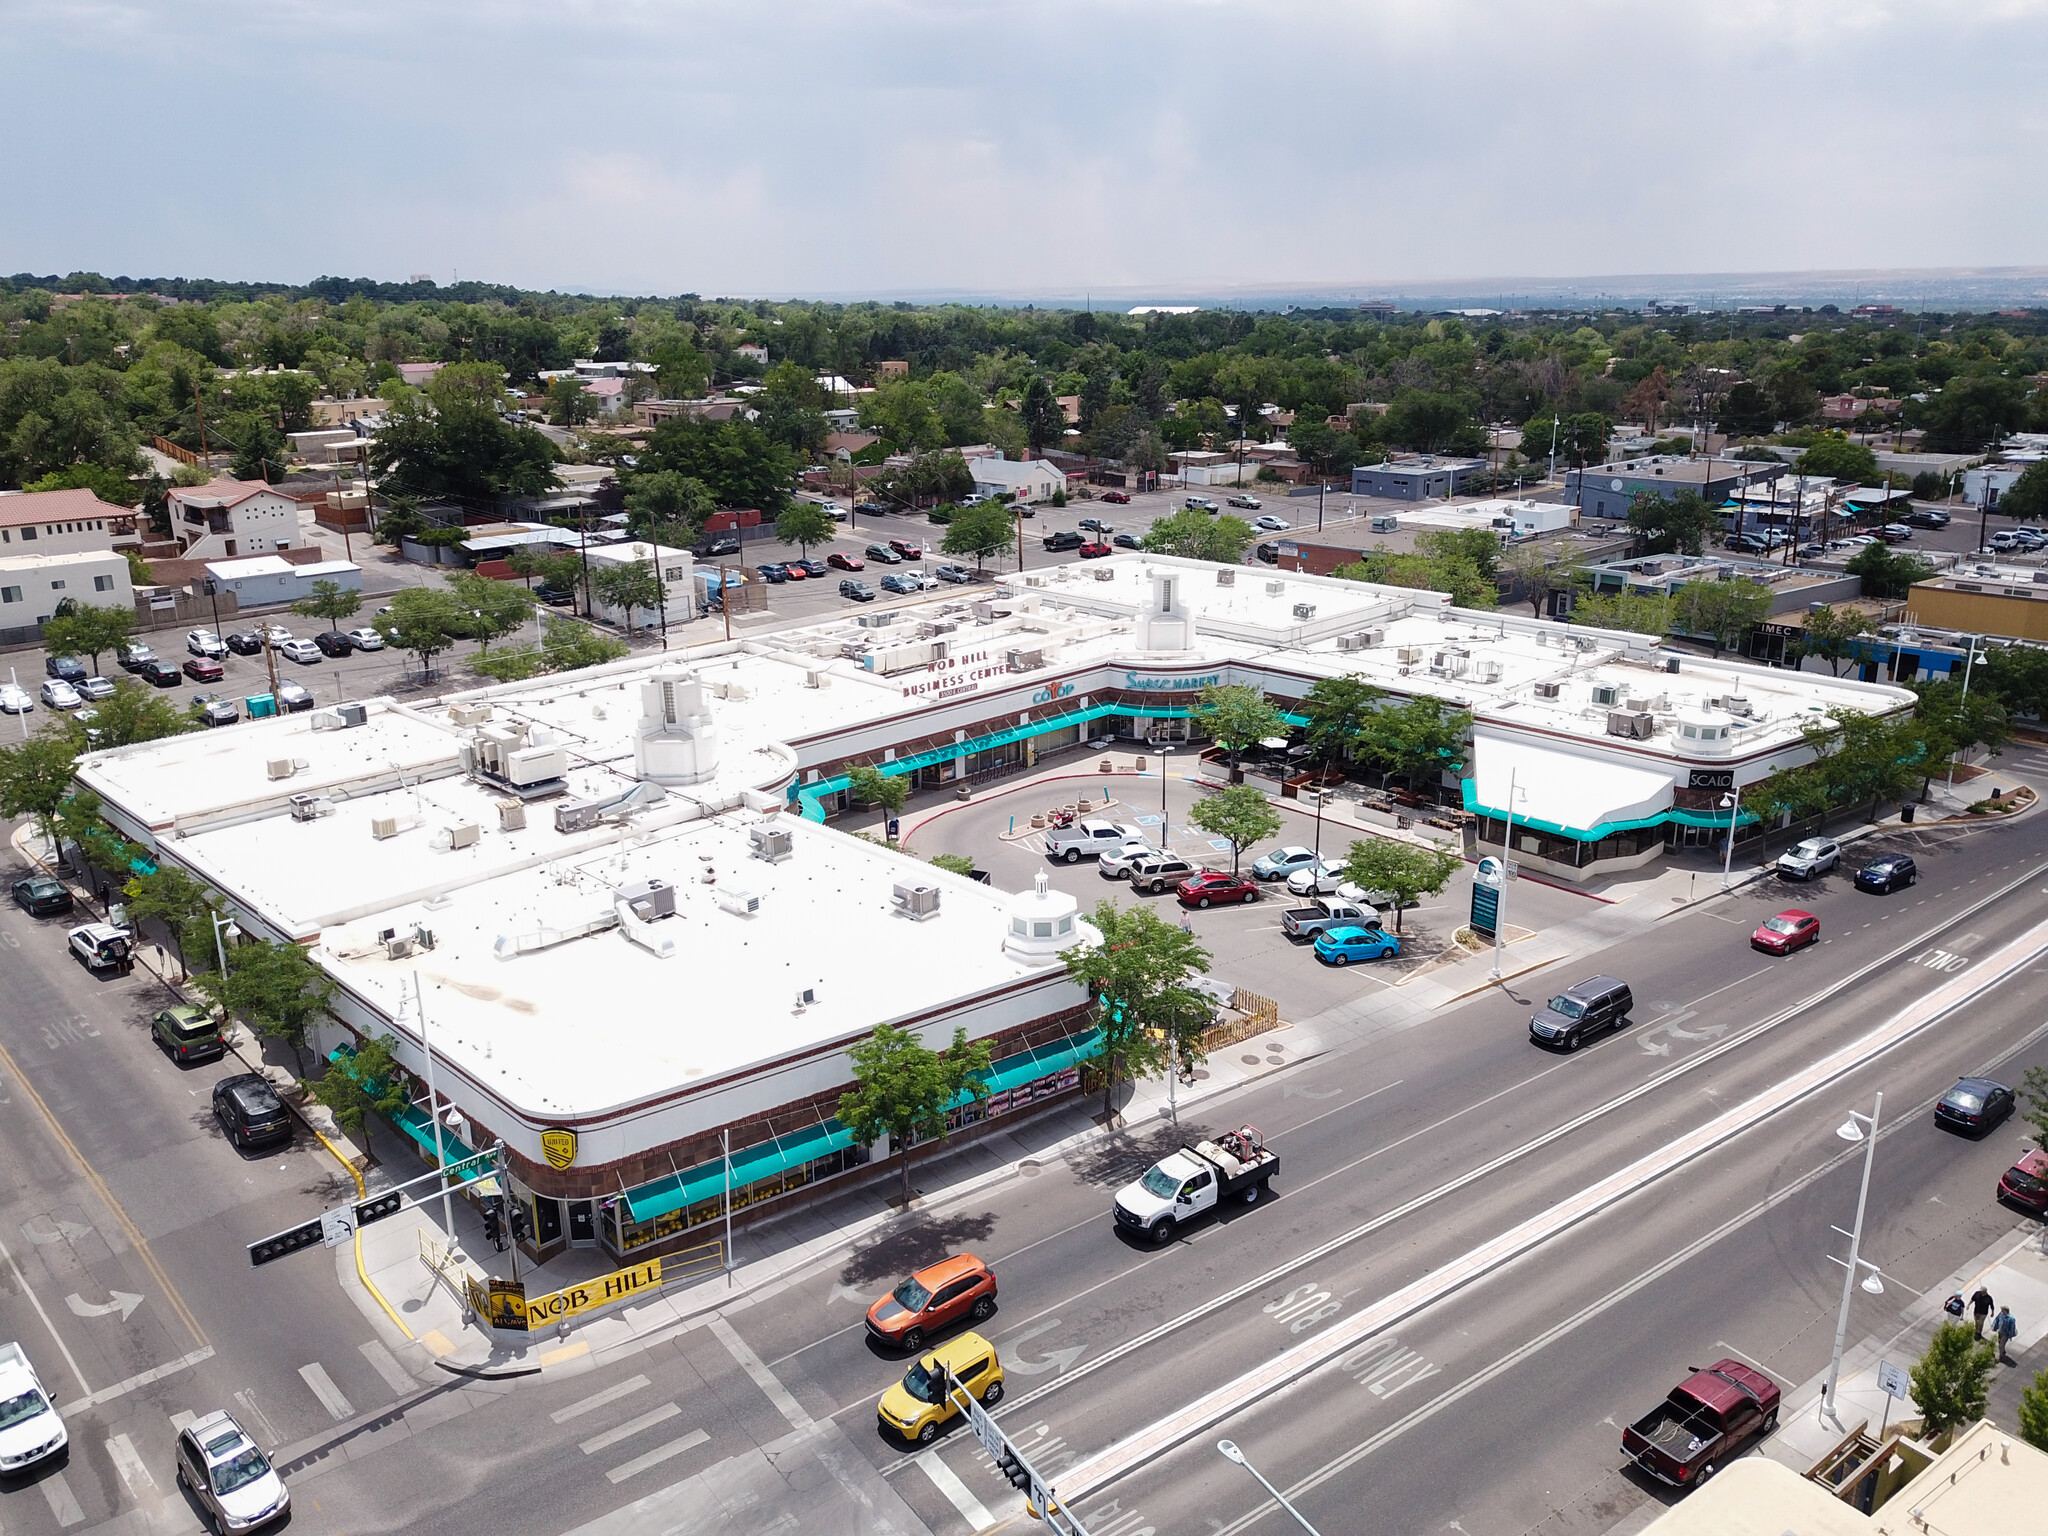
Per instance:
(1271,524)
(204,642)
(1210,886)
(1095,550)
(93,689)
(1890,873)
(250,1111)
(1342,945)
(1160,873)
(102,947)
(365,639)
(245,642)
(935,1297)
(1248,503)
(1117,498)
(1318,877)
(294,697)
(1975,1104)
(1928,517)
(1127,541)
(909,549)
(204,669)
(1094,525)
(1115,863)
(547,592)
(1268,554)
(918,1407)
(717,545)
(59,694)
(1789,930)
(188,1034)
(1063,538)
(277,632)
(1325,912)
(814,570)
(901,583)
(215,711)
(1089,838)
(774,575)
(133,655)
(332,642)
(42,896)
(16,700)
(959,575)
(161,674)
(1815,856)
(1702,1423)
(1282,862)
(1895,533)
(304,652)
(882,554)
(1199,504)
(1599,1002)
(870,509)
(2025,1184)
(840,561)
(859,591)
(232,1480)
(1748,543)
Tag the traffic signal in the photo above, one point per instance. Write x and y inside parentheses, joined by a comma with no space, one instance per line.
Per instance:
(522,1223)
(494,1223)
(1012,1467)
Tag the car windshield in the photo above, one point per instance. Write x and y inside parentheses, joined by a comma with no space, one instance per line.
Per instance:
(1571,1008)
(923,1385)
(1962,1098)
(20,1409)
(1158,1181)
(1811,850)
(1783,925)
(911,1296)
(239,1471)
(192,1029)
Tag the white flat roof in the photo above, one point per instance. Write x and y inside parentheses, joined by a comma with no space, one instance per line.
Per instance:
(254,565)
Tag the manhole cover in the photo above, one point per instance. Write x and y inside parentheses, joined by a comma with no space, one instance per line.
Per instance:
(1201,1074)
(1028,1167)
(1276,1061)
(1250,1061)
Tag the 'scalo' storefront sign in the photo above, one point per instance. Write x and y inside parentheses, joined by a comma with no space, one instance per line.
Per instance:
(1142,682)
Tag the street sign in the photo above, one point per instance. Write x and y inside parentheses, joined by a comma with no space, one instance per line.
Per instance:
(1891,1381)
(337,1226)
(307,1234)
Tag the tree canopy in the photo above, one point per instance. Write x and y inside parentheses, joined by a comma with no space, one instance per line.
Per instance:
(903,1089)
(1137,978)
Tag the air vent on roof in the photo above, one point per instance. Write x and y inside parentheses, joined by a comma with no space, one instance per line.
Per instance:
(279,768)
(310,807)
(352,714)
(1486,670)
(1275,588)
(511,815)
(1226,577)
(814,678)
(649,900)
(1026,661)
(740,903)
(1605,694)
(1104,573)
(469,714)
(1304,610)
(915,901)
(1549,690)
(1408,654)
(772,844)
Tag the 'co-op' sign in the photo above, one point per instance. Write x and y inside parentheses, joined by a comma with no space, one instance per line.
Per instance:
(1048,695)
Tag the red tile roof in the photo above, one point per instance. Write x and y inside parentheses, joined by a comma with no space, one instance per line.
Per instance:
(24,508)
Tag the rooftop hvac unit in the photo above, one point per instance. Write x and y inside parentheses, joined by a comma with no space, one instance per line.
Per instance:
(1026,661)
(1275,588)
(1373,636)
(1605,694)
(740,903)
(1304,610)
(813,678)
(469,714)
(1103,573)
(774,844)
(462,835)
(353,714)
(325,720)
(398,946)
(737,692)
(1226,577)
(881,620)
(1352,642)
(1670,663)
(311,807)
(511,815)
(1409,654)
(650,899)
(1638,704)
(279,768)
(983,610)
(382,827)
(1738,704)
(535,765)
(1635,724)
(1550,690)
(915,901)
(1486,671)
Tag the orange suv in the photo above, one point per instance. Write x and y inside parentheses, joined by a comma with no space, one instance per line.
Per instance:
(935,1297)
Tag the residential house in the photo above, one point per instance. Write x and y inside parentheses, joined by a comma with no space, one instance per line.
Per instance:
(31,585)
(58,522)
(268,580)
(1030,480)
(677,574)
(419,375)
(226,519)
(752,351)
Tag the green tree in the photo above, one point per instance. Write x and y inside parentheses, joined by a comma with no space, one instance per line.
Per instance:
(1887,572)
(1455,575)
(985,529)
(629,586)
(870,786)
(1720,612)
(1044,421)
(1138,978)
(667,506)
(169,896)
(35,776)
(1419,737)
(494,609)
(1401,870)
(1235,717)
(1834,635)
(1971,410)
(2034,1412)
(370,1082)
(904,1089)
(1198,536)
(87,629)
(424,621)
(331,601)
(1240,814)
(510,663)
(738,463)
(2018,676)
(1536,574)
(1946,722)
(452,441)
(803,524)
(2027,499)
(275,988)
(569,403)
(1581,438)
(954,863)
(1679,524)
(111,485)
(1338,710)
(1832,455)
(2034,1089)
(132,712)
(568,644)
(1952,1381)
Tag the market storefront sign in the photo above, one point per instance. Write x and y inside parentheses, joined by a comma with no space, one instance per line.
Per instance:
(574,1300)
(1142,682)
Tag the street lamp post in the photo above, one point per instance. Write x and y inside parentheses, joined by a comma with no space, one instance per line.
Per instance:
(1322,798)
(1232,1453)
(1852,1129)
(1163,823)
(1507,852)
(1732,804)
(228,926)
(1969,663)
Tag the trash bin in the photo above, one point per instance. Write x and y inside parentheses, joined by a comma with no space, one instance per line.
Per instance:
(1906,813)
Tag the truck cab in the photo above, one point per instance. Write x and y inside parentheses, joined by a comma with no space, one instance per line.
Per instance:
(1702,1422)
(30,1429)
(1089,838)
(1185,1184)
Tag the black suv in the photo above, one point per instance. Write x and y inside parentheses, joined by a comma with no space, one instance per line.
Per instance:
(1599,1003)
(250,1111)
(333,642)
(1887,874)
(245,642)
(1064,538)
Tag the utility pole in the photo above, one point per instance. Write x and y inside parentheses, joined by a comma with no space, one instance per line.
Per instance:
(270,660)
(199,405)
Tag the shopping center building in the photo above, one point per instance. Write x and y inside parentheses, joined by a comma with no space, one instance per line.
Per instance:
(603,899)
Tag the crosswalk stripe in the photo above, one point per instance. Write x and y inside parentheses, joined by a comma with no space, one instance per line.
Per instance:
(628,1429)
(63,1502)
(386,1365)
(577,1409)
(957,1493)
(141,1486)
(657,1456)
(180,1422)
(316,1377)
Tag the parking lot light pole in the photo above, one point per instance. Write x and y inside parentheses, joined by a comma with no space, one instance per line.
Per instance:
(1969,662)
(228,926)
(1507,852)
(1163,823)
(1232,1453)
(1852,1129)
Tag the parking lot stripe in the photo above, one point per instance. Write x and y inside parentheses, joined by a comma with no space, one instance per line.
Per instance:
(316,1377)
(630,1428)
(577,1409)
(657,1456)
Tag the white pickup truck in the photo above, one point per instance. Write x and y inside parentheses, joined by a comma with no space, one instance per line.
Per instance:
(1195,1179)
(1306,922)
(30,1430)
(1089,838)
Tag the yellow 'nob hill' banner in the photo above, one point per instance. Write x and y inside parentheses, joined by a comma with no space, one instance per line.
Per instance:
(601,1292)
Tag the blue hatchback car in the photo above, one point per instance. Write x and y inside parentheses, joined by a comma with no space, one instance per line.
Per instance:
(1341,946)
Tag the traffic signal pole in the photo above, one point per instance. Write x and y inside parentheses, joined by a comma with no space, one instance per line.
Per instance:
(1043,1500)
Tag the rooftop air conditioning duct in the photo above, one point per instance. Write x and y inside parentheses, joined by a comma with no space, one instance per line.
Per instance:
(469,714)
(462,835)
(1549,690)
(279,768)
(1304,610)
(582,815)
(915,900)
(325,720)
(1605,694)
(771,844)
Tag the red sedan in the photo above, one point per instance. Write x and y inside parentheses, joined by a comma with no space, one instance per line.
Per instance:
(840,562)
(1213,885)
(1786,932)
(1095,550)
(793,570)
(1118,497)
(204,669)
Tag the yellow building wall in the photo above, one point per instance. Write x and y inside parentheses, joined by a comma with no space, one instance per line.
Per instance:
(1980,613)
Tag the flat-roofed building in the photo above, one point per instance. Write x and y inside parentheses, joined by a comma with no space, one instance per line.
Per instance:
(1609,490)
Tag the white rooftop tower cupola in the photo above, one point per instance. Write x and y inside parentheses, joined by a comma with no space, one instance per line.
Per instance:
(1164,623)
(1042,922)
(676,739)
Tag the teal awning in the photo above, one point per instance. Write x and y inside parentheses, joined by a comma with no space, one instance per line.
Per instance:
(413,1122)
(1708,819)
(1043,1061)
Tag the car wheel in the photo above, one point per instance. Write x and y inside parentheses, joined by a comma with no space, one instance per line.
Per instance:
(1073,855)
(928,1432)
(1340,959)
(1706,1472)
(1770,1421)
(993,1395)
(1204,902)
(913,1340)
(984,1309)
(1573,1041)
(1251,1195)
(1163,1233)
(1250,896)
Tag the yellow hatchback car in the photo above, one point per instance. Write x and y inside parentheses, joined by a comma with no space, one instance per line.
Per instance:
(917,1407)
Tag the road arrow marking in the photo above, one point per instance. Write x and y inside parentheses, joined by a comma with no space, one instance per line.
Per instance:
(847,1293)
(53,1229)
(1055,1359)
(1304,1093)
(123,1302)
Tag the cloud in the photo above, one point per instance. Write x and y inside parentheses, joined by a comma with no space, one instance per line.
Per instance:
(1054,147)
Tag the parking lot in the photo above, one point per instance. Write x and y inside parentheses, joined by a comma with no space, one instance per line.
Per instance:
(1246,945)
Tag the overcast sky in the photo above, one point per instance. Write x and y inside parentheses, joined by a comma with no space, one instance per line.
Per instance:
(1125,147)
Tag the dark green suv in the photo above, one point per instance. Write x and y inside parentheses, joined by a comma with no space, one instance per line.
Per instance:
(189,1034)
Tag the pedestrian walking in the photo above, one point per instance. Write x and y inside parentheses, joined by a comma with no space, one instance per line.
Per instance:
(1980,1308)
(2003,1327)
